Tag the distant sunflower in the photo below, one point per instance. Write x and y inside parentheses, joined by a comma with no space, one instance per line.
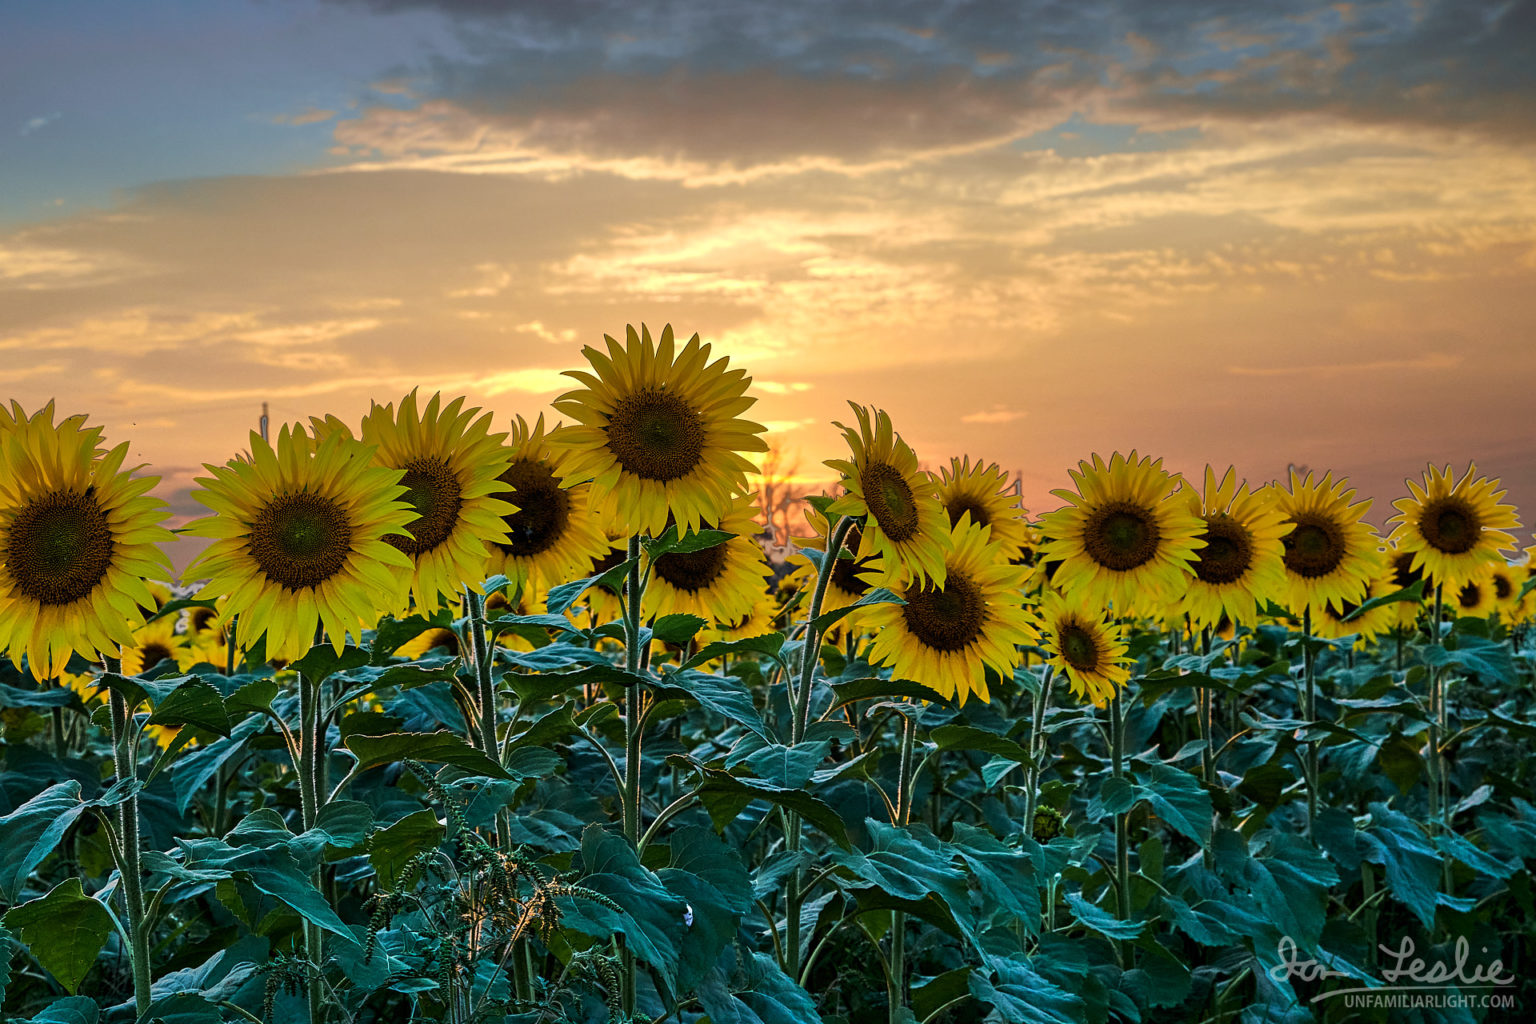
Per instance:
(452,466)
(983,490)
(1506,583)
(1454,528)
(852,576)
(1524,609)
(719,583)
(1120,541)
(604,605)
(1085,648)
(154,643)
(905,524)
(660,437)
(1330,554)
(1329,622)
(757,621)
(1239,568)
(1401,574)
(78,537)
(1474,599)
(949,634)
(1029,546)
(553,536)
(434,639)
(301,537)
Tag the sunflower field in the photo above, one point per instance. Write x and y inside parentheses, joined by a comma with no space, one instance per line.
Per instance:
(452,723)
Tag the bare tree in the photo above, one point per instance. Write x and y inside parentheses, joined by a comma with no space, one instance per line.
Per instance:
(780,496)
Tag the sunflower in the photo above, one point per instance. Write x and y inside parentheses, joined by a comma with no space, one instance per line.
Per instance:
(1120,541)
(759,620)
(719,583)
(851,577)
(1455,528)
(1329,622)
(949,634)
(1087,649)
(1474,599)
(604,605)
(301,537)
(78,537)
(154,643)
(1239,568)
(453,468)
(1029,546)
(1506,583)
(904,523)
(984,492)
(434,639)
(1330,554)
(1524,608)
(658,436)
(553,536)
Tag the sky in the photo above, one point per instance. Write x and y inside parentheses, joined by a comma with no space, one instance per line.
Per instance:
(1248,234)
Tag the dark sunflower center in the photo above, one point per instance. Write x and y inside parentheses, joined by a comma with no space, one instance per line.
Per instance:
(301,540)
(1121,535)
(1450,525)
(200,619)
(152,654)
(432,488)
(1403,573)
(656,435)
(845,571)
(1314,547)
(59,547)
(1502,587)
(1026,556)
(1078,648)
(1228,551)
(444,639)
(1470,595)
(959,504)
(611,560)
(948,619)
(693,570)
(890,500)
(543,508)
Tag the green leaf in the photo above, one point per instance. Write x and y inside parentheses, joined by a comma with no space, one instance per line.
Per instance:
(1100,920)
(30,832)
(968,737)
(769,645)
(53,697)
(69,1010)
(899,864)
(563,596)
(1179,799)
(437,747)
(711,879)
(390,849)
(1412,863)
(669,543)
(65,930)
(1413,592)
(676,629)
(724,695)
(876,688)
(195,703)
(648,916)
(995,769)
(788,767)
(322,661)
(1475,654)
(251,699)
(1019,995)
(725,796)
(879,595)
(183,1008)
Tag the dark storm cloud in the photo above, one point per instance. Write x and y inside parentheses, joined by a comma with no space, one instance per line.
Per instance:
(750,82)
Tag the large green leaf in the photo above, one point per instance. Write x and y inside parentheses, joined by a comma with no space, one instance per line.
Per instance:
(390,849)
(880,595)
(902,866)
(650,918)
(1019,995)
(65,930)
(724,695)
(712,881)
(69,1010)
(877,688)
(436,747)
(769,645)
(322,661)
(968,737)
(193,703)
(30,832)
(725,796)
(757,991)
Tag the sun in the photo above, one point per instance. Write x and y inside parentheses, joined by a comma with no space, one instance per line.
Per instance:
(78,538)
(302,537)
(658,433)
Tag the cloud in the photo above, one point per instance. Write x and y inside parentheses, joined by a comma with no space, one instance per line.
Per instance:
(996,414)
(34,124)
(311,115)
(1433,361)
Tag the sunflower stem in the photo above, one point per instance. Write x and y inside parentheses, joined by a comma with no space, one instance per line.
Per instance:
(1036,749)
(898,1000)
(810,653)
(474,627)
(632,735)
(125,764)
(1122,821)
(1309,713)
(311,750)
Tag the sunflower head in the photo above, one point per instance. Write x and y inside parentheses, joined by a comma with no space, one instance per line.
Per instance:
(1239,567)
(451,467)
(721,583)
(984,491)
(302,537)
(903,523)
(1121,540)
(1474,599)
(553,536)
(1454,529)
(948,635)
(78,538)
(157,643)
(658,433)
(1088,650)
(1330,552)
